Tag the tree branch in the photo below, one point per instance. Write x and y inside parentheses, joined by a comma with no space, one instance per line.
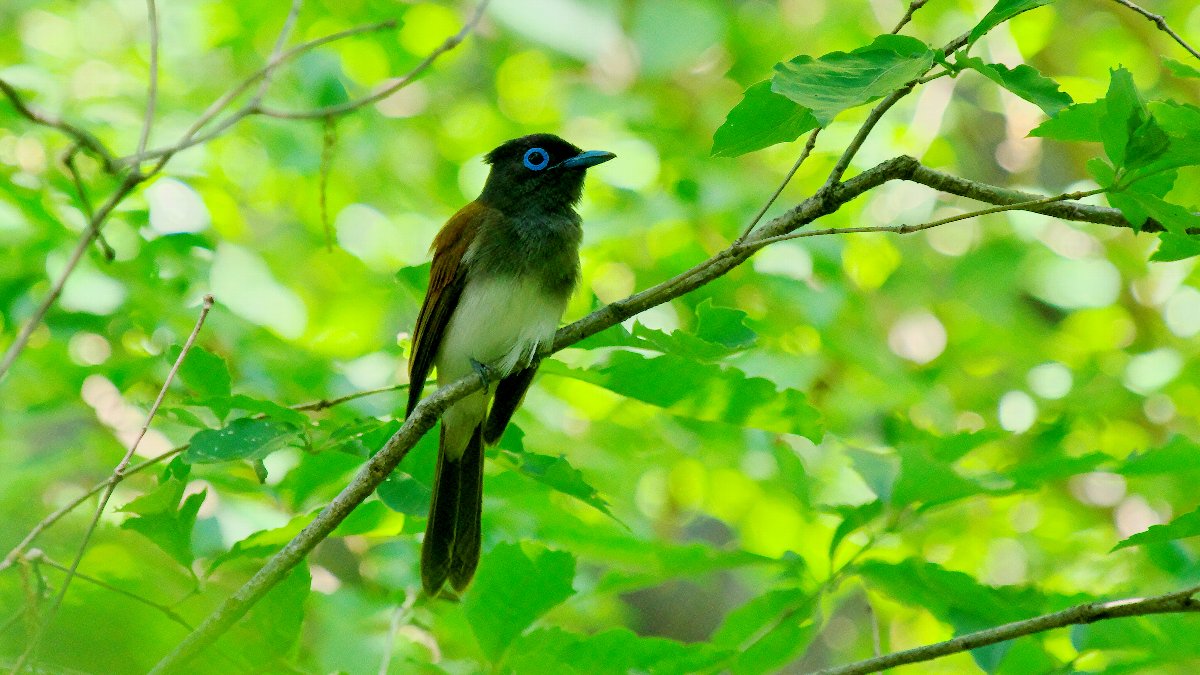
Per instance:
(152,87)
(1170,603)
(35,641)
(82,137)
(1161,22)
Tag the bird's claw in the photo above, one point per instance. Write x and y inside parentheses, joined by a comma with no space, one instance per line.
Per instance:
(483,371)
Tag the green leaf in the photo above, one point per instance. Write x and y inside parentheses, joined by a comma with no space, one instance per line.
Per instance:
(1187,525)
(1173,247)
(1124,114)
(853,517)
(558,474)
(273,625)
(1147,143)
(1079,122)
(723,326)
(840,80)
(1174,218)
(202,371)
(702,391)
(166,522)
(1035,472)
(617,651)
(516,584)
(762,118)
(1024,81)
(405,494)
(879,471)
(1002,11)
(1180,69)
(743,623)
(930,482)
(244,438)
(1177,456)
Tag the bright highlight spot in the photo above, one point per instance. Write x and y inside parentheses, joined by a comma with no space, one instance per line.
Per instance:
(1182,312)
(242,282)
(1150,371)
(1050,380)
(1018,411)
(918,337)
(175,207)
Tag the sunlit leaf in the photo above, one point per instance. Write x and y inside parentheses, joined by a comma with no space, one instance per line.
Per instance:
(1024,81)
(761,119)
(1003,11)
(161,518)
(516,584)
(243,438)
(841,80)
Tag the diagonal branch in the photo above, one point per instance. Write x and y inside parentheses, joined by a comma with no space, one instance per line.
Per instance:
(1161,22)
(152,87)
(84,138)
(35,641)
(1169,603)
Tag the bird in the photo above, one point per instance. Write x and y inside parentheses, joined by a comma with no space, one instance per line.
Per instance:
(504,267)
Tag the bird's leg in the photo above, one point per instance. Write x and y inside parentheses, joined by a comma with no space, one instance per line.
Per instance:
(484,371)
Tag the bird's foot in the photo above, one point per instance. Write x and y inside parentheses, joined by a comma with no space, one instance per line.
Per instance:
(484,371)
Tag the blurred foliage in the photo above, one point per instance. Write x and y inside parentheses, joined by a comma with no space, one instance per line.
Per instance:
(936,433)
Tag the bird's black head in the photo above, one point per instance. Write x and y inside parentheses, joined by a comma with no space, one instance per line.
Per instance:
(539,172)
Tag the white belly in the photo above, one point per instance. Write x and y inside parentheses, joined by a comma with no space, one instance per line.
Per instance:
(501,322)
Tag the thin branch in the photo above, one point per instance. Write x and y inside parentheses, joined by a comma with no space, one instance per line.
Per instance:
(1161,22)
(84,200)
(908,14)
(165,610)
(1170,603)
(190,138)
(85,240)
(909,229)
(808,148)
(328,141)
(152,87)
(280,41)
(315,406)
(349,106)
(84,138)
(120,469)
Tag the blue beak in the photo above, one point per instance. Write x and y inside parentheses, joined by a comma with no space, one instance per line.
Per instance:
(586,159)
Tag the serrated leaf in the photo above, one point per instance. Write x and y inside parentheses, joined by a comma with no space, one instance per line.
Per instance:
(618,651)
(762,118)
(1124,113)
(558,474)
(1172,247)
(163,520)
(746,621)
(1180,69)
(1002,11)
(1174,218)
(878,471)
(1146,144)
(1079,122)
(841,80)
(405,494)
(702,391)
(927,481)
(1035,472)
(243,438)
(723,325)
(1187,525)
(1024,81)
(516,584)
(202,371)
(1177,456)
(853,517)
(271,628)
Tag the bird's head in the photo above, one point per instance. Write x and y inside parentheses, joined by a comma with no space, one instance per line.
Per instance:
(539,171)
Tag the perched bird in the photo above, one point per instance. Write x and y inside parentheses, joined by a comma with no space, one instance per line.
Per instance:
(503,269)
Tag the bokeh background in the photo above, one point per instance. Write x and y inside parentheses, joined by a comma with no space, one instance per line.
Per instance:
(981,386)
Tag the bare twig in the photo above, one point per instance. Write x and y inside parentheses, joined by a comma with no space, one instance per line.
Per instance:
(349,106)
(120,469)
(1169,603)
(808,148)
(85,240)
(165,610)
(152,87)
(908,14)
(1161,22)
(82,137)
(280,42)
(19,550)
(908,229)
(85,202)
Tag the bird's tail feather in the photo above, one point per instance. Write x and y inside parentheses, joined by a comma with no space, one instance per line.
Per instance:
(452,535)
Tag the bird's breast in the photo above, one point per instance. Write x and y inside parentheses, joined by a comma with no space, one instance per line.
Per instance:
(502,321)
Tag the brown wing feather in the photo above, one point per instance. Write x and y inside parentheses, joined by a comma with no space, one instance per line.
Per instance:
(447,277)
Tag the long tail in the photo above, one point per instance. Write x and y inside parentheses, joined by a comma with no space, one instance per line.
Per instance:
(452,535)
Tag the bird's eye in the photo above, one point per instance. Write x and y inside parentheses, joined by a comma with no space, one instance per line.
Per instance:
(536,159)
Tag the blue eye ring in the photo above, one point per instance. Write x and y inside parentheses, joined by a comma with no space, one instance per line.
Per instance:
(536,159)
